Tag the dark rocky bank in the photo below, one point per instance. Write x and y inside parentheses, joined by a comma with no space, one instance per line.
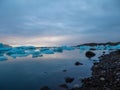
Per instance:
(105,74)
(95,44)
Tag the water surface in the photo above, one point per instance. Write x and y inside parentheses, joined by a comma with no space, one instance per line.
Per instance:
(28,73)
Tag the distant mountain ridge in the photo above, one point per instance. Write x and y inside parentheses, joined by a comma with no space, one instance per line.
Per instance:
(95,44)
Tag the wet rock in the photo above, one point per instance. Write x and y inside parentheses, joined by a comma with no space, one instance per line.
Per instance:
(90,54)
(105,74)
(45,88)
(63,86)
(69,80)
(103,52)
(75,89)
(64,70)
(78,63)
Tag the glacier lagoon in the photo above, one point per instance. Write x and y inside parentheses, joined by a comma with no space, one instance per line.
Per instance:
(28,68)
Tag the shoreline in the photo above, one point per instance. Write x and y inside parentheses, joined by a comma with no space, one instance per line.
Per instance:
(105,74)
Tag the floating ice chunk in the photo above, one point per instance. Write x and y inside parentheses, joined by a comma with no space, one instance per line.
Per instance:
(107,47)
(49,51)
(100,47)
(58,49)
(15,51)
(118,46)
(115,47)
(3,45)
(85,47)
(26,47)
(36,54)
(67,48)
(19,55)
(43,49)
(5,48)
(2,58)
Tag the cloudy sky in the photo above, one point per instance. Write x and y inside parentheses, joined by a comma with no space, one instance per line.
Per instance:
(59,22)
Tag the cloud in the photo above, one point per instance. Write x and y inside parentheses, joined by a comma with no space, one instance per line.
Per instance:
(43,18)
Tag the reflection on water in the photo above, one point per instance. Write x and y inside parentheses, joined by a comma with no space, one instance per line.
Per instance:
(28,73)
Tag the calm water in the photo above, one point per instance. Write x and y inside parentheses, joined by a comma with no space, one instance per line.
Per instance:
(32,73)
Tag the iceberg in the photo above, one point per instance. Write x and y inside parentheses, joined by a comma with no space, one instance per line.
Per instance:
(67,48)
(15,52)
(84,48)
(36,54)
(118,46)
(58,49)
(19,55)
(108,47)
(47,51)
(43,49)
(2,58)
(100,47)
(5,49)
(26,47)
(115,47)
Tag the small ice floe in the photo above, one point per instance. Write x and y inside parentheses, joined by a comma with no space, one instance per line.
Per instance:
(118,46)
(2,58)
(115,47)
(107,47)
(19,55)
(84,48)
(5,49)
(43,49)
(58,49)
(100,47)
(26,47)
(36,54)
(67,48)
(49,51)
(15,52)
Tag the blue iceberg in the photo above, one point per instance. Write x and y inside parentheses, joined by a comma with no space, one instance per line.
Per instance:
(26,47)
(67,48)
(49,51)
(85,48)
(15,52)
(2,58)
(36,54)
(58,49)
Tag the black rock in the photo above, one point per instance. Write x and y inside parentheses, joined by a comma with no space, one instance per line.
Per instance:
(69,80)
(76,89)
(64,86)
(64,70)
(90,54)
(45,88)
(78,63)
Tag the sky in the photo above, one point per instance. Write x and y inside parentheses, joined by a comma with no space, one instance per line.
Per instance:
(59,22)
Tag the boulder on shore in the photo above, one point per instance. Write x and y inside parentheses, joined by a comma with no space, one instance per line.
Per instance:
(90,54)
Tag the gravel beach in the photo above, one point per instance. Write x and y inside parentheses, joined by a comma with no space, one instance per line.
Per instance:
(105,74)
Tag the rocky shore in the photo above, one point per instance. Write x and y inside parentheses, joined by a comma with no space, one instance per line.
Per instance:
(105,74)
